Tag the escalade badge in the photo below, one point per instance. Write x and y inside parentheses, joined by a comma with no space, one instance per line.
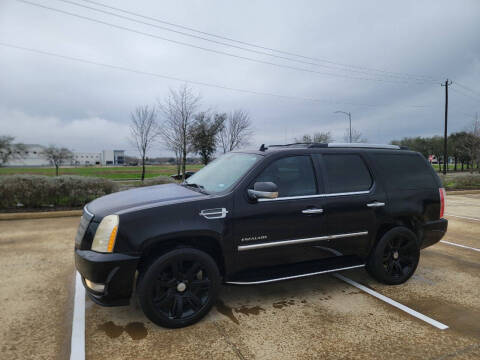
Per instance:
(218,213)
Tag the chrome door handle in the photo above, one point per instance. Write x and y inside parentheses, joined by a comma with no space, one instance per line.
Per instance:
(376,204)
(312,211)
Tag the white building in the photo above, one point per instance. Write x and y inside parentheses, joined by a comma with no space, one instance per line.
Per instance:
(113,157)
(33,156)
(86,158)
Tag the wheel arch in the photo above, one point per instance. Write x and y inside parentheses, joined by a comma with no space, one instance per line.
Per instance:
(410,222)
(208,243)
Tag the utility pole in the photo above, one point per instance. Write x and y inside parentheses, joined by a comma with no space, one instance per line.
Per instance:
(445,151)
(350,120)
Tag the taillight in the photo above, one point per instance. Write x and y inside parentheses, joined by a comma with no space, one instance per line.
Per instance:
(442,201)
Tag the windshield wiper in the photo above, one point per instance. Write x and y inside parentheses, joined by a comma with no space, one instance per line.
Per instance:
(196,186)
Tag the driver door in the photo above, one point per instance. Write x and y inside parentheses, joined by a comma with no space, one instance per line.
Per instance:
(284,230)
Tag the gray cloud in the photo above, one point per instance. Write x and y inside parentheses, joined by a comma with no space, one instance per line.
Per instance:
(49,100)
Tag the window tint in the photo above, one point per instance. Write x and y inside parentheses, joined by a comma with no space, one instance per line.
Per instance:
(346,173)
(407,171)
(293,175)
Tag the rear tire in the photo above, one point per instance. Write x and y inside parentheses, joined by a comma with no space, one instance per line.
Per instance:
(395,257)
(179,288)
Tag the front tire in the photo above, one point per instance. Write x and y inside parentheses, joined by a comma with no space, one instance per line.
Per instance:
(395,257)
(179,288)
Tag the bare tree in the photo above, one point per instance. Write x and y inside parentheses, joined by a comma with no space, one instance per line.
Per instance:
(236,131)
(319,137)
(178,110)
(144,131)
(57,156)
(471,143)
(357,136)
(10,150)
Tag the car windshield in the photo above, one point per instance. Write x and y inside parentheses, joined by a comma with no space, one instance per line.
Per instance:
(221,174)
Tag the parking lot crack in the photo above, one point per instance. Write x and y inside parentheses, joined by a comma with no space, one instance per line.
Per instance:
(458,352)
(222,332)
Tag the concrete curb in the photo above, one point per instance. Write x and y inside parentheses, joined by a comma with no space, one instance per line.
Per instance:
(462,192)
(39,215)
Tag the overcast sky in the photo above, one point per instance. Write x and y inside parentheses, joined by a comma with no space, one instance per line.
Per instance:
(49,100)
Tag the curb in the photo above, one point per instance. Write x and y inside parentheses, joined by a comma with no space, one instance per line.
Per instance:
(40,215)
(462,192)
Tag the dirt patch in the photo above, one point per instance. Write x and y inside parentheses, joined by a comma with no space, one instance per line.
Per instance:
(253,310)
(136,330)
(283,303)
(226,310)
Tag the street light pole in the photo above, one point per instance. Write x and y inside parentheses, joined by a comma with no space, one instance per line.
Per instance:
(350,121)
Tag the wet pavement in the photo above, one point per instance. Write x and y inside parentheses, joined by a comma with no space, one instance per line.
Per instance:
(319,317)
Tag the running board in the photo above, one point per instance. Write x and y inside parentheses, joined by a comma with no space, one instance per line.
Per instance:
(296,271)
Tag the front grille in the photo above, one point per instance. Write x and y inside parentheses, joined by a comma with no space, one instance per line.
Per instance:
(82,228)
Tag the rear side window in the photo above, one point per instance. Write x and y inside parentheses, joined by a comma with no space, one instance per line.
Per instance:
(293,175)
(346,173)
(403,172)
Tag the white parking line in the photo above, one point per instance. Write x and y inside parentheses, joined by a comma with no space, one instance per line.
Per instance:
(77,348)
(412,312)
(462,246)
(464,217)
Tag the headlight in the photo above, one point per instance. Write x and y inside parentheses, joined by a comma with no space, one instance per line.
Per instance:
(104,239)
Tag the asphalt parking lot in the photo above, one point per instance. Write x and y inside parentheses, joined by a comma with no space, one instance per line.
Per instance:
(320,317)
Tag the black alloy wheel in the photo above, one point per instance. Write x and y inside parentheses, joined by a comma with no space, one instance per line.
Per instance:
(395,257)
(179,288)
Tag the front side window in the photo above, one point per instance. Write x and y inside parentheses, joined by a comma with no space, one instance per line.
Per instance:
(346,173)
(293,175)
(221,174)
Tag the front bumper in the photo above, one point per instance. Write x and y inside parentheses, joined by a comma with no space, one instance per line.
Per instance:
(433,232)
(115,271)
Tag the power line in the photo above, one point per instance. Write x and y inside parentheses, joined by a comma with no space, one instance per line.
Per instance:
(468,89)
(217,51)
(465,94)
(426,77)
(201,83)
(330,67)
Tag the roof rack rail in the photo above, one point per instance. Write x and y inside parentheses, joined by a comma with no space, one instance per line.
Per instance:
(364,145)
(343,145)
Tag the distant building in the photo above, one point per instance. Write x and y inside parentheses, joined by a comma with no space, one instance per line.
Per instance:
(113,157)
(32,156)
(86,158)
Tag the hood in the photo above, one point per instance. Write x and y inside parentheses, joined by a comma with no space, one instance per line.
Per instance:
(123,200)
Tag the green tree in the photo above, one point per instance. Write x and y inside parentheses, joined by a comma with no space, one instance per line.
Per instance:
(203,135)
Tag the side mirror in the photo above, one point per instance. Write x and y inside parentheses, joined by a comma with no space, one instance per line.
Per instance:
(263,190)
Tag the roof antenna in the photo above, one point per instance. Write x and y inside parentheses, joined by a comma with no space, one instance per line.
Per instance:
(263,147)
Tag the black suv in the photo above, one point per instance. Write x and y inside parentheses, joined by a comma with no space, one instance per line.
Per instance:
(255,217)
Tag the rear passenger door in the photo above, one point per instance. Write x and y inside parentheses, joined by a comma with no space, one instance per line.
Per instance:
(352,201)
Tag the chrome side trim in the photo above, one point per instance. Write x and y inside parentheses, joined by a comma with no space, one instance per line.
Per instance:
(219,213)
(376,204)
(298,241)
(292,277)
(312,211)
(315,196)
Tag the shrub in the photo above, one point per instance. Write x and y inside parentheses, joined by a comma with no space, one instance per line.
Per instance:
(34,191)
(159,180)
(461,181)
